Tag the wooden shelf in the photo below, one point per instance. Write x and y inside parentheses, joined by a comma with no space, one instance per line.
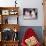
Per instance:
(5,8)
(10,26)
(4,25)
(5,12)
(9,43)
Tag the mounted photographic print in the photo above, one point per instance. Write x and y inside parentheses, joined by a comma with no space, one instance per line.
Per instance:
(5,12)
(30,13)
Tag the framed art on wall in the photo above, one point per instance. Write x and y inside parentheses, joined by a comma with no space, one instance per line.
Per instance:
(5,12)
(30,13)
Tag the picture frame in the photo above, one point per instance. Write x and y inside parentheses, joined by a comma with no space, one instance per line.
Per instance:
(5,12)
(30,13)
(13,13)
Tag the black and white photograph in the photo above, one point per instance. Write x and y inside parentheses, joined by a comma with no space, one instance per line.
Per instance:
(30,13)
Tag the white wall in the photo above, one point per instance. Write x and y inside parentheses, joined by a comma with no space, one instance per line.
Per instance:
(26,4)
(33,4)
(6,3)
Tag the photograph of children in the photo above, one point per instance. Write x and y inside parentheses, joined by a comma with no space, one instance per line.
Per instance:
(30,13)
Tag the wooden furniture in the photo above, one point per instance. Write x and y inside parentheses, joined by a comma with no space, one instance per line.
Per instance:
(9,23)
(0,43)
(44,5)
(10,43)
(11,26)
(45,37)
(6,12)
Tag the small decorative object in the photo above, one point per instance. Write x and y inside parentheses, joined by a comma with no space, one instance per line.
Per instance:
(30,13)
(5,12)
(15,30)
(15,37)
(15,3)
(13,12)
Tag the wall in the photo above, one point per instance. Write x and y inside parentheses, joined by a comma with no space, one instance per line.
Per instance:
(26,4)
(32,4)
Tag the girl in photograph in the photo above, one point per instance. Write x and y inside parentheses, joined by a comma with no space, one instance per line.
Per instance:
(27,14)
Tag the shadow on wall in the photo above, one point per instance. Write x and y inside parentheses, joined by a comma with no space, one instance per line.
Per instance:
(37,29)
